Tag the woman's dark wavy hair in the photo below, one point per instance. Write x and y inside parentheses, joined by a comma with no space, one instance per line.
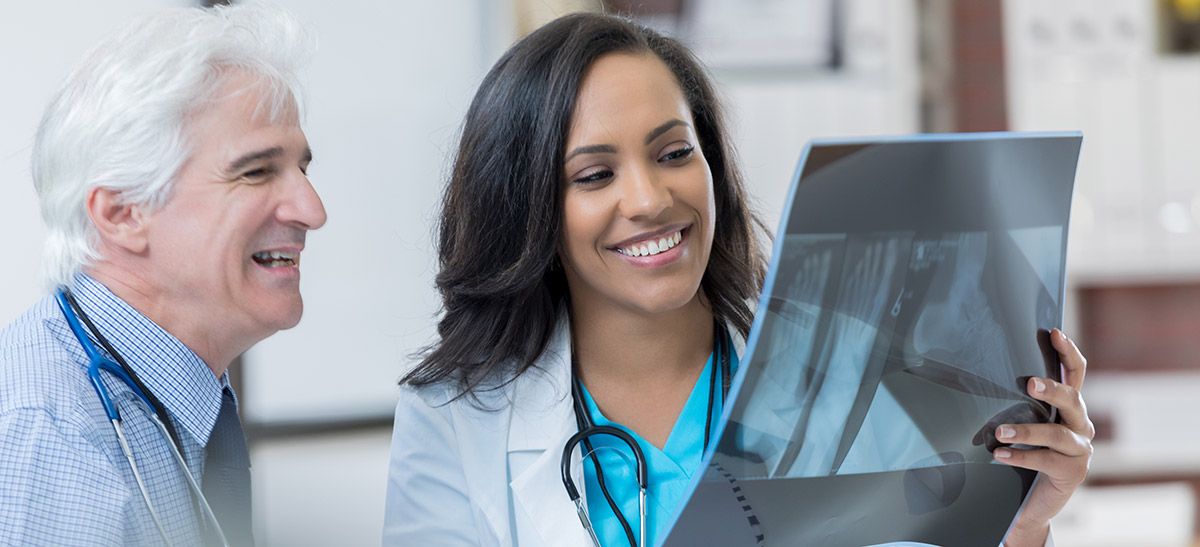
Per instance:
(501,220)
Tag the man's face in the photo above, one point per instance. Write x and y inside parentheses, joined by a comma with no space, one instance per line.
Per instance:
(225,248)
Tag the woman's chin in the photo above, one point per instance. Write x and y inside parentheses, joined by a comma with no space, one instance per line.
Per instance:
(661,304)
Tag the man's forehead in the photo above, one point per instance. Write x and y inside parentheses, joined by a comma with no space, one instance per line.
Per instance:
(242,98)
(242,122)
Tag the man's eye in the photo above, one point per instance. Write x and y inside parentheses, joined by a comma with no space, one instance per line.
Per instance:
(593,177)
(677,154)
(261,172)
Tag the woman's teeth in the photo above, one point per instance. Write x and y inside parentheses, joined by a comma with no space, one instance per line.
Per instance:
(652,247)
(275,259)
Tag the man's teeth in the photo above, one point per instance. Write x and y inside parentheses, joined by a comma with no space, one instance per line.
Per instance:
(652,247)
(273,259)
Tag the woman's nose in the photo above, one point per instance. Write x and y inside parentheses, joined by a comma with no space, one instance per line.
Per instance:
(643,195)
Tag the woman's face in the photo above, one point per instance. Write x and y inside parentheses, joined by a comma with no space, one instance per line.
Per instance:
(638,207)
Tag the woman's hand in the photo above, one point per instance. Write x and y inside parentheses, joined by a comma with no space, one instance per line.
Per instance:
(1065,450)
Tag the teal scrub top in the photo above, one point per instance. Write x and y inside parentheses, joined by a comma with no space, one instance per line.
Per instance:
(670,469)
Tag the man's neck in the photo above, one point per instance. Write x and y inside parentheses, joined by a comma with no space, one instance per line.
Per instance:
(215,344)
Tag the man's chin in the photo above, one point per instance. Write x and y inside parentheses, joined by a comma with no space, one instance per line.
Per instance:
(281,314)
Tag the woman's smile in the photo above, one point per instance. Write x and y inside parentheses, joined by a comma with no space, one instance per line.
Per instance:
(654,249)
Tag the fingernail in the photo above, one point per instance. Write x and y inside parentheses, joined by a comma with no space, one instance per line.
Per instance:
(1038,385)
(1002,453)
(1006,432)
(1061,335)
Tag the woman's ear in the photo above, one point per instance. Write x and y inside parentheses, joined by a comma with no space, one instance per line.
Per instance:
(119,224)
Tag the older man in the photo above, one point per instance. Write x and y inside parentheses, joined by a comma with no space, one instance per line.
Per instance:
(171,170)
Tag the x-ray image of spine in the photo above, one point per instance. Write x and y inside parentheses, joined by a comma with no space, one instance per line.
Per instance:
(959,326)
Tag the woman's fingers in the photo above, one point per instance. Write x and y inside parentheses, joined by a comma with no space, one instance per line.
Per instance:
(1073,361)
(1053,436)
(1069,402)
(1064,471)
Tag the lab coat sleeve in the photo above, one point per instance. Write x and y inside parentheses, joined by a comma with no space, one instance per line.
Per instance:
(427,501)
(56,487)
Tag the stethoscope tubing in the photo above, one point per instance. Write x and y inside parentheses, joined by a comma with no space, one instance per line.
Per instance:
(97,363)
(642,476)
(587,429)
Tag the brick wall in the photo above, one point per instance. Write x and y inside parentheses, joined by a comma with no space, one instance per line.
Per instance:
(977,40)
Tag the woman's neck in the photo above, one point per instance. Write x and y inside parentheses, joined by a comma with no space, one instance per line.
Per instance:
(641,368)
(609,341)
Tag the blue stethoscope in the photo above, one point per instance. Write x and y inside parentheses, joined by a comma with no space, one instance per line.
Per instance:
(151,406)
(588,429)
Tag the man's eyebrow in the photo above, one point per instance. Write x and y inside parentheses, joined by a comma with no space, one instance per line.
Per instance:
(251,157)
(657,131)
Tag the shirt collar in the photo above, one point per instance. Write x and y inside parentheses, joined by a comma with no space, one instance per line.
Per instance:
(178,377)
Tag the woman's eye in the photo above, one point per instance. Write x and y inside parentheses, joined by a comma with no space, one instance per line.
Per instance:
(678,154)
(593,177)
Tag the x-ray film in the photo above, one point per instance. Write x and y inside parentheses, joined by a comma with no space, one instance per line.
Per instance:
(910,296)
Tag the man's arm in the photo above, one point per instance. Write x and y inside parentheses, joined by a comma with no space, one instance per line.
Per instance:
(56,487)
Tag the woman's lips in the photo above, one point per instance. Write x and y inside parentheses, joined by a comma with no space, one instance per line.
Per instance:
(654,252)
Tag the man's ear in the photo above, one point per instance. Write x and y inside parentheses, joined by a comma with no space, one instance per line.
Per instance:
(119,224)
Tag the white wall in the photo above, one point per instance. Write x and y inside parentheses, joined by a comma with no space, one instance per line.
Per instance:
(387,92)
(324,491)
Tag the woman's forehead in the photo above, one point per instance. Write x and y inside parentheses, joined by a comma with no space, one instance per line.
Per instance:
(627,92)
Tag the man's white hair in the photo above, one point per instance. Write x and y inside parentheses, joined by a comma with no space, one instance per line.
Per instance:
(119,120)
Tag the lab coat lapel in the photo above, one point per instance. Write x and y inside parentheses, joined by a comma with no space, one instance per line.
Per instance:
(542,421)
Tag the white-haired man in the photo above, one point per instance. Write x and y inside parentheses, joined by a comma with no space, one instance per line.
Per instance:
(172,174)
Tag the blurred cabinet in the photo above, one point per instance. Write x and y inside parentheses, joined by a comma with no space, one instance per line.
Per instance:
(874,89)
(1120,516)
(1102,66)
(1095,65)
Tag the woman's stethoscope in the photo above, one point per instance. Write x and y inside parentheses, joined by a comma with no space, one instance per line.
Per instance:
(588,429)
(150,404)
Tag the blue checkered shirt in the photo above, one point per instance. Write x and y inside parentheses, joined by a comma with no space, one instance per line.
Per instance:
(63,477)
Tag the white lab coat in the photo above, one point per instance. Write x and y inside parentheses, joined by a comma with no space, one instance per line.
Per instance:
(461,475)
(464,475)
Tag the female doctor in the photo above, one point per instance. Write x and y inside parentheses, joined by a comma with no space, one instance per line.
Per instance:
(598,261)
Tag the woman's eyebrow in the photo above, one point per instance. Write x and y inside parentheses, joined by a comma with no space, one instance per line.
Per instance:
(609,149)
(657,131)
(592,149)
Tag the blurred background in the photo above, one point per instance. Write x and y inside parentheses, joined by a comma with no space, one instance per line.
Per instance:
(391,82)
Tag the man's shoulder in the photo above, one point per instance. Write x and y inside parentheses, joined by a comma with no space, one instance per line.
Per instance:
(38,369)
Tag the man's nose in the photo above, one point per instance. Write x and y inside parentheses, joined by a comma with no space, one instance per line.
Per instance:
(303,206)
